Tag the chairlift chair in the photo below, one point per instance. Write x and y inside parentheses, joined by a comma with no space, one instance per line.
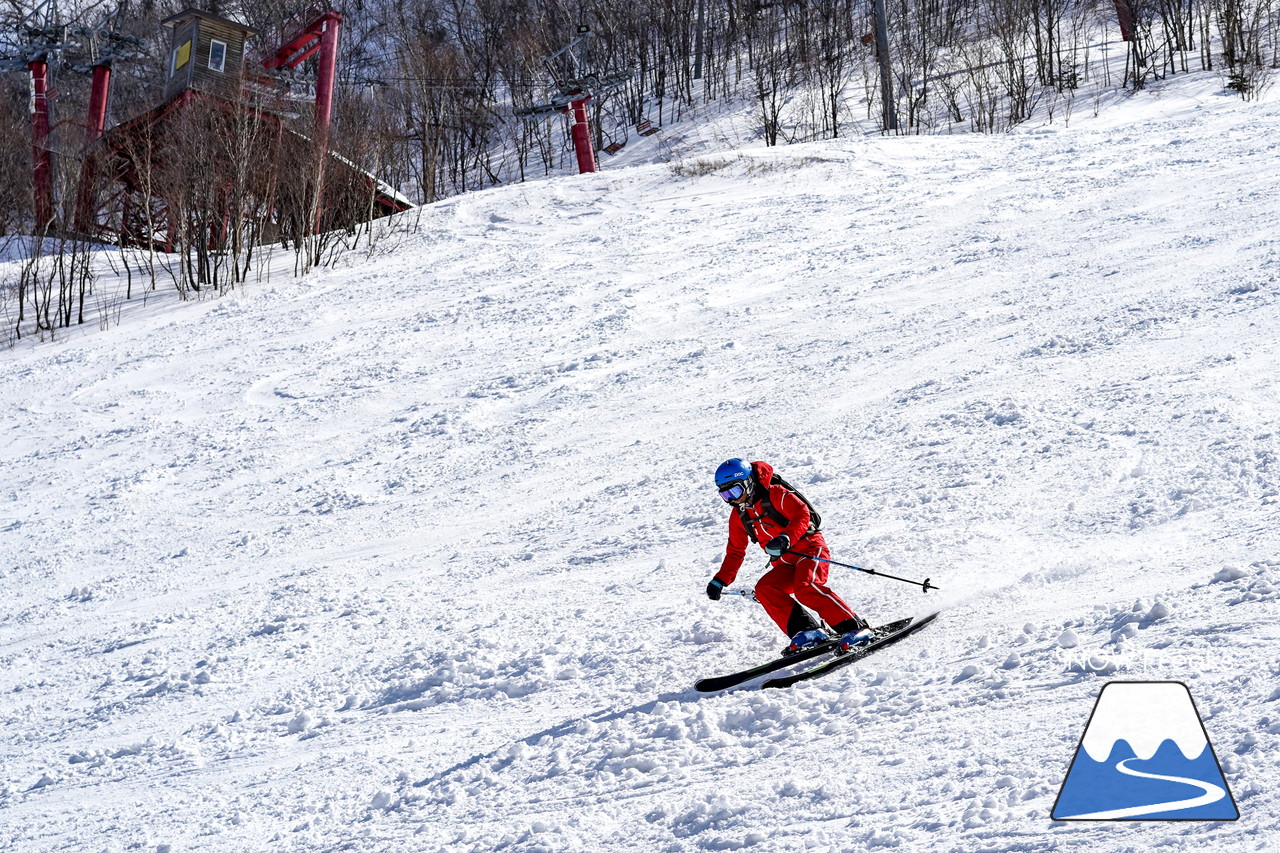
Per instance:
(646,127)
(614,144)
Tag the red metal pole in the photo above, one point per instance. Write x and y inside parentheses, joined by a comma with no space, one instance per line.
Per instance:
(582,137)
(1125,16)
(332,23)
(86,215)
(42,160)
(98,97)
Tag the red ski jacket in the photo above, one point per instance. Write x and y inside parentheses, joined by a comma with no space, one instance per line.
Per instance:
(766,527)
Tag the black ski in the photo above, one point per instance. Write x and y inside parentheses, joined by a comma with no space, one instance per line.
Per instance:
(723,682)
(903,628)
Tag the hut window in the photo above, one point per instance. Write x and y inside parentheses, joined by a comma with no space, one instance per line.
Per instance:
(218,55)
(181,55)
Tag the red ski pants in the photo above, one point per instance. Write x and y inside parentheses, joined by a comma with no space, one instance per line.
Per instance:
(804,581)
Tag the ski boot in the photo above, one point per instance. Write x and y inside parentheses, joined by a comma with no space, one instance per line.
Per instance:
(853,633)
(805,640)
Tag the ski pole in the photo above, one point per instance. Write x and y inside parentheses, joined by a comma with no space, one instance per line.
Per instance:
(924,585)
(745,593)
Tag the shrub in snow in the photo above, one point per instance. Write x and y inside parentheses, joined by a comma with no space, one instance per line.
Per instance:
(698,167)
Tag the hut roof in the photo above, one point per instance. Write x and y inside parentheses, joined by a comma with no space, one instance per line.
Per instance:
(206,16)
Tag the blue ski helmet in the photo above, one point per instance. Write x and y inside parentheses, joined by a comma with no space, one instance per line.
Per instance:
(732,471)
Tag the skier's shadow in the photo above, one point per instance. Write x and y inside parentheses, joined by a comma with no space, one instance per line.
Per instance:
(565,728)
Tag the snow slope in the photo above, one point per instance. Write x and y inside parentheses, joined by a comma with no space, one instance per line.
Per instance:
(410,556)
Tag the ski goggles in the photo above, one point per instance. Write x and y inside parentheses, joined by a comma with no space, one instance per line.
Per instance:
(733,493)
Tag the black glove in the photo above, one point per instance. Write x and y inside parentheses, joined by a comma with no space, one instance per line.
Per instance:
(778,545)
(713,589)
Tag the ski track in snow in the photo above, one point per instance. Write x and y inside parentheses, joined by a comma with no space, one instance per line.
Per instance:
(409,556)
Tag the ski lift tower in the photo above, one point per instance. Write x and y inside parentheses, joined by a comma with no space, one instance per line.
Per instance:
(321,34)
(46,39)
(50,44)
(576,85)
(102,47)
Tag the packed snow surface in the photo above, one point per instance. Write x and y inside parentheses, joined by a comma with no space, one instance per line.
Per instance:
(410,555)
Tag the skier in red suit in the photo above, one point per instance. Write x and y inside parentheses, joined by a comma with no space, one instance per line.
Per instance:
(779,521)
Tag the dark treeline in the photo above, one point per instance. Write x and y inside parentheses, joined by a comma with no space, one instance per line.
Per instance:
(189,196)
(427,90)
(444,75)
(450,73)
(440,78)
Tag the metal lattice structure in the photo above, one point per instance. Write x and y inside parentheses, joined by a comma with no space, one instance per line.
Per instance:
(45,43)
(577,85)
(110,193)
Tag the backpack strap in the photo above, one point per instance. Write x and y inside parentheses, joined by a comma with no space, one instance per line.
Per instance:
(773,512)
(815,517)
(746,523)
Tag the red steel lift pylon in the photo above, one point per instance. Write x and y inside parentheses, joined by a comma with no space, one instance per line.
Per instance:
(99,95)
(319,35)
(576,89)
(42,159)
(48,44)
(582,137)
